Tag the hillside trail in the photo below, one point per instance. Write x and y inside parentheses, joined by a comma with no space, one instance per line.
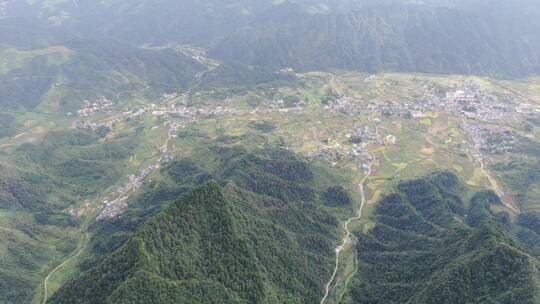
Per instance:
(77,253)
(348,234)
(505,199)
(85,238)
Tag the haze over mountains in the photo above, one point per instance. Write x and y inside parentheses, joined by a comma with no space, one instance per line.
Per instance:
(269,151)
(498,38)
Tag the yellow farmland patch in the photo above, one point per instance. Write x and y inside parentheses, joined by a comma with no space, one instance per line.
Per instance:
(472,183)
(426,122)
(427,151)
(454,132)
(375,197)
(431,114)
(368,226)
(383,151)
(476,179)
(373,185)
(458,168)
(308,147)
(236,132)
(400,166)
(379,149)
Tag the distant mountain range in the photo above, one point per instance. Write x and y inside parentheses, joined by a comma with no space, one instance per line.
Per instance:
(499,40)
(487,37)
(233,179)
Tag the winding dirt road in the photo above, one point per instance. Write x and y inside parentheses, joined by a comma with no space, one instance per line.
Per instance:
(77,253)
(349,236)
(505,199)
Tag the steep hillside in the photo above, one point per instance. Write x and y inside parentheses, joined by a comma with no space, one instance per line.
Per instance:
(206,245)
(421,251)
(83,69)
(263,237)
(138,21)
(33,233)
(486,37)
(37,186)
(192,252)
(458,39)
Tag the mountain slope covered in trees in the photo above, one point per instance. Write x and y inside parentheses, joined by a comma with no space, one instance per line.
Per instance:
(260,237)
(83,69)
(427,245)
(423,251)
(190,253)
(458,39)
(486,37)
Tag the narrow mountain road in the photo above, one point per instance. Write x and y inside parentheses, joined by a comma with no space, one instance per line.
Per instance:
(349,236)
(505,199)
(361,185)
(477,154)
(77,253)
(85,238)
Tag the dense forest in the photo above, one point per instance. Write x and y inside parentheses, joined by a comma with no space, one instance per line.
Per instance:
(205,102)
(85,69)
(404,37)
(255,234)
(437,36)
(260,222)
(429,246)
(66,167)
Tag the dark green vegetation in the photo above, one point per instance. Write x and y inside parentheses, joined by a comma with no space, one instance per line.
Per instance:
(336,196)
(423,251)
(395,36)
(43,179)
(256,234)
(262,126)
(528,231)
(264,228)
(90,70)
(493,37)
(78,160)
(6,125)
(237,76)
(28,241)
(521,173)
(190,253)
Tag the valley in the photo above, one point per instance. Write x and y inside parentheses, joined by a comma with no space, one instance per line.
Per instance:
(358,129)
(289,151)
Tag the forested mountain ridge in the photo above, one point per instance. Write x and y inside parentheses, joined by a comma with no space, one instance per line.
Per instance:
(35,224)
(87,70)
(269,151)
(483,37)
(261,236)
(421,251)
(190,253)
(394,37)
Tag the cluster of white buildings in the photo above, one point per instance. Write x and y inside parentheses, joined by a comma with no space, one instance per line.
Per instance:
(90,108)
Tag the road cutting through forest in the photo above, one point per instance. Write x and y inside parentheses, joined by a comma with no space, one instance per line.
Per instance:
(348,234)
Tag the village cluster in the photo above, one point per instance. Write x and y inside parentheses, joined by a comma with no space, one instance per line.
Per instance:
(467,101)
(100,105)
